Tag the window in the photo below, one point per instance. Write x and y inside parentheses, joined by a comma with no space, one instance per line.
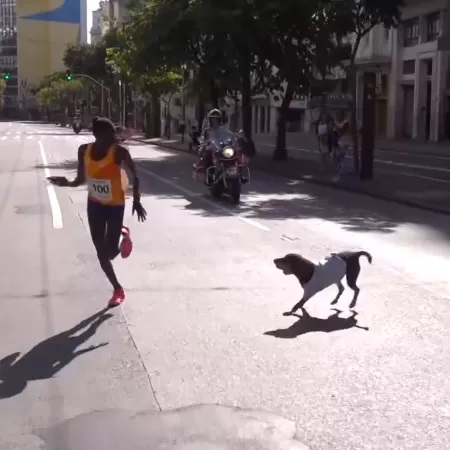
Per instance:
(409,67)
(411,32)
(433,26)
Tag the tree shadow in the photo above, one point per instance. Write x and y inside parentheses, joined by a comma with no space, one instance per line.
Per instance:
(308,324)
(48,357)
(274,197)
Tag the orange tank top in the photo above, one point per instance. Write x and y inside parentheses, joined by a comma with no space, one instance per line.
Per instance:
(105,179)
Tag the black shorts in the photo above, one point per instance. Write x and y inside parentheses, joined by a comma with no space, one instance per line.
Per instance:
(105,224)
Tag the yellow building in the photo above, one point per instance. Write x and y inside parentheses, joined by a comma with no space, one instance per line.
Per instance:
(44,29)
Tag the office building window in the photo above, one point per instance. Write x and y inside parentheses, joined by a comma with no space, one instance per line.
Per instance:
(433,26)
(411,32)
(409,67)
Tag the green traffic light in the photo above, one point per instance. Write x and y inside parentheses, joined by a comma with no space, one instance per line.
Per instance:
(7,76)
(69,77)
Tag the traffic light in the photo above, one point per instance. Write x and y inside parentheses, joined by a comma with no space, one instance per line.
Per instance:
(68,75)
(7,76)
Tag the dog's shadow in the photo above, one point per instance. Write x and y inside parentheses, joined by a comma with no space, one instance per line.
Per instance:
(308,324)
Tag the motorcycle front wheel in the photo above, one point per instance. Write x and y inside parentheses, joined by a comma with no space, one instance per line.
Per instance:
(235,190)
(216,190)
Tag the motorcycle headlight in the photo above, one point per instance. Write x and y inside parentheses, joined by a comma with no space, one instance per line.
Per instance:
(228,152)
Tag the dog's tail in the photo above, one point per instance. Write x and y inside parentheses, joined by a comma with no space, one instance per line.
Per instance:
(366,254)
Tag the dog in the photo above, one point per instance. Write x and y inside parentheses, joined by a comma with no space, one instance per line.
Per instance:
(316,277)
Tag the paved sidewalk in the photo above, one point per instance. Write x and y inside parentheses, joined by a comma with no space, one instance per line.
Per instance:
(308,141)
(421,192)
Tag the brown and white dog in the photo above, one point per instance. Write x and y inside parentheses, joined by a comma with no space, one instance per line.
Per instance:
(317,277)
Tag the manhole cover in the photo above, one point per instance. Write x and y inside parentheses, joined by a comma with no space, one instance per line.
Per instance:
(199,427)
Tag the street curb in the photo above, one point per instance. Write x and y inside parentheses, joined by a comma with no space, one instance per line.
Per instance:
(399,201)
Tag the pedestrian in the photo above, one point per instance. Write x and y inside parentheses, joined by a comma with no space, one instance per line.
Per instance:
(341,143)
(323,131)
(100,166)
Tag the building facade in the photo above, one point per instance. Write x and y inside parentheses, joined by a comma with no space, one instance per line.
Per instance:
(419,97)
(96,29)
(8,52)
(84,32)
(412,67)
(45,29)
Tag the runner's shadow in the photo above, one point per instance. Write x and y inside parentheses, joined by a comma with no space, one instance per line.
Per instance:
(307,324)
(48,357)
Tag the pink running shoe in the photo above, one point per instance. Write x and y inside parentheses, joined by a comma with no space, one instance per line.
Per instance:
(126,245)
(117,298)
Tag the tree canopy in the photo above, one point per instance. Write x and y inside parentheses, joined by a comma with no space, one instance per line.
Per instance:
(235,48)
(2,89)
(58,93)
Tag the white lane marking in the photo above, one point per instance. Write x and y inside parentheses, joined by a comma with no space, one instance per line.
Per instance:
(16,138)
(190,193)
(54,204)
(8,132)
(3,138)
(253,223)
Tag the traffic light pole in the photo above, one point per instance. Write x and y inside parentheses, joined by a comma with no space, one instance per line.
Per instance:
(103,87)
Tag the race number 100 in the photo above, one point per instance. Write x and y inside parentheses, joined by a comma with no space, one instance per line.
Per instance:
(102,189)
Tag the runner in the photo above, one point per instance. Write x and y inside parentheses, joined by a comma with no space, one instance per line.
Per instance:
(100,166)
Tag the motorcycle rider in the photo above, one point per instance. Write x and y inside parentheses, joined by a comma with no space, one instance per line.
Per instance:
(214,132)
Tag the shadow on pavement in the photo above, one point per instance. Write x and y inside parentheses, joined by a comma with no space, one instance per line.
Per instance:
(308,324)
(276,198)
(48,357)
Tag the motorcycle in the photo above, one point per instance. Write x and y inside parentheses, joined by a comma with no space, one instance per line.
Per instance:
(76,127)
(225,174)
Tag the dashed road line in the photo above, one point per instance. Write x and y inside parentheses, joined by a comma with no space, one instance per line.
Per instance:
(54,203)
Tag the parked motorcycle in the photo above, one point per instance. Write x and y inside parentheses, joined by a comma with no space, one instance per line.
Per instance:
(226,173)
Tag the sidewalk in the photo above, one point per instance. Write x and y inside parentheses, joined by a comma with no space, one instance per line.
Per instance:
(308,141)
(417,192)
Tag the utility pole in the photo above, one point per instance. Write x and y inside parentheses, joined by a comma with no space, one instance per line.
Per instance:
(368,126)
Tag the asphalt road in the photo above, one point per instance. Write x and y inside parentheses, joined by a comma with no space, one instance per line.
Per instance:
(202,323)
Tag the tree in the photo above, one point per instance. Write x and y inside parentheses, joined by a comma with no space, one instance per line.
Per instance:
(59,93)
(297,44)
(216,40)
(355,19)
(90,59)
(151,76)
(2,89)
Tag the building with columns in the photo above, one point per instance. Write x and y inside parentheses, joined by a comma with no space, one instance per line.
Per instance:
(419,101)
(411,62)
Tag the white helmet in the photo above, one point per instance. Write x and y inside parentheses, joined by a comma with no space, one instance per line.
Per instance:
(214,114)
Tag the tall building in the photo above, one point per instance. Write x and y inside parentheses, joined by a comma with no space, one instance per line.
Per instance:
(83,22)
(45,29)
(8,51)
(96,30)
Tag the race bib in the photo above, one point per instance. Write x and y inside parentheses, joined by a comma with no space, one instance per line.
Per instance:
(100,189)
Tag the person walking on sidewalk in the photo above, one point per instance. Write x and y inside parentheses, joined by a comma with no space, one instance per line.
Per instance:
(342,142)
(100,166)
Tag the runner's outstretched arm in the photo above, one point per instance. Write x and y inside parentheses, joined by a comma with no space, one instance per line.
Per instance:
(126,158)
(80,178)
